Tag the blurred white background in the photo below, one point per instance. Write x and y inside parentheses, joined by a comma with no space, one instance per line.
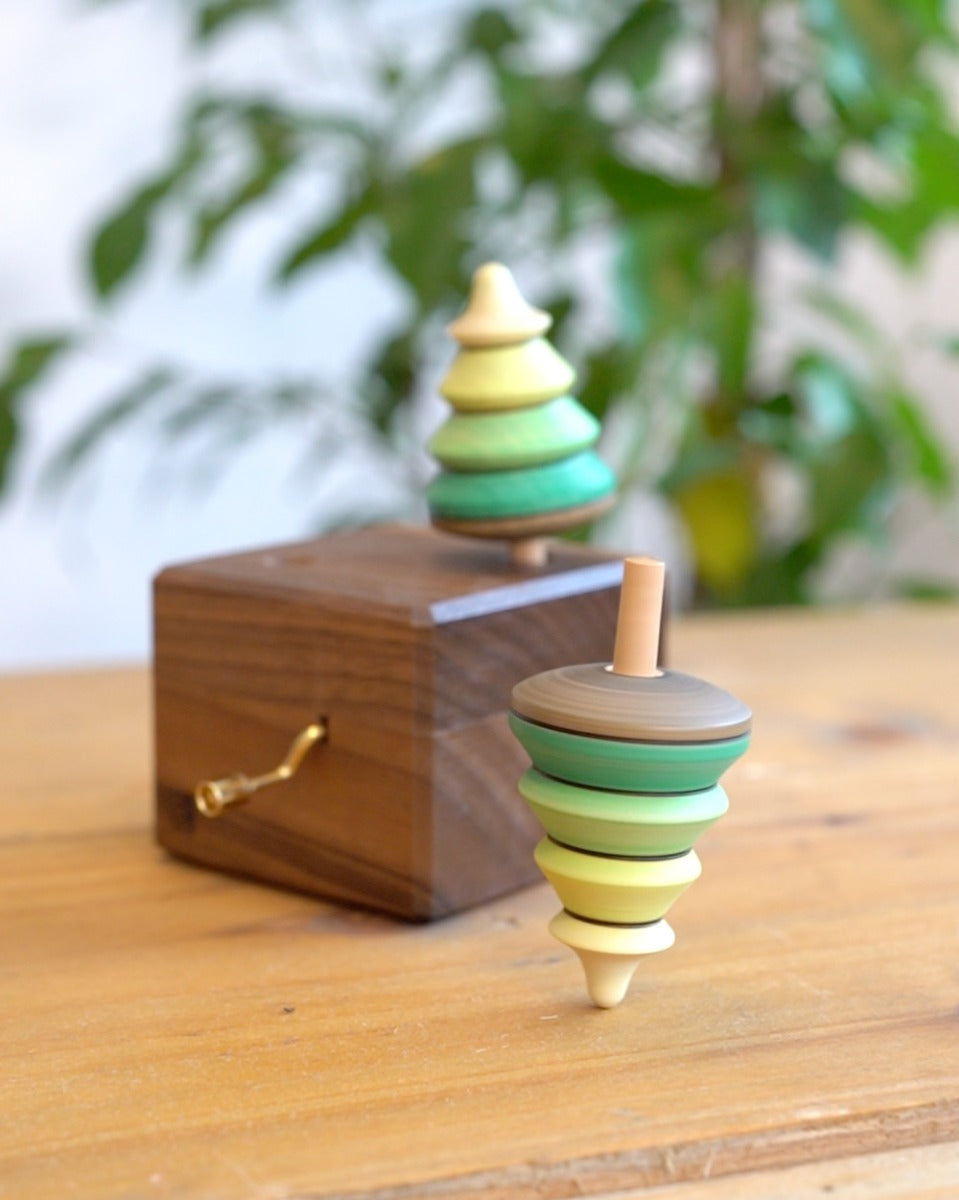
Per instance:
(86,96)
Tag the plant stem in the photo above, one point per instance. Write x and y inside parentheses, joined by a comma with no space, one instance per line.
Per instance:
(737,49)
(740,94)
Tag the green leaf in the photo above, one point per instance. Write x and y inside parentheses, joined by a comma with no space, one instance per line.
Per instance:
(926,591)
(639,193)
(128,404)
(902,227)
(326,237)
(631,286)
(844,448)
(772,422)
(427,216)
(637,44)
(208,405)
(883,31)
(547,130)
(489,31)
(31,359)
(391,377)
(831,408)
(852,319)
(119,243)
(213,220)
(936,167)
(661,274)
(277,139)
(930,458)
(851,482)
(609,373)
(27,365)
(780,578)
(701,456)
(217,15)
(805,199)
(934,21)
(868,46)
(720,513)
(733,316)
(9,435)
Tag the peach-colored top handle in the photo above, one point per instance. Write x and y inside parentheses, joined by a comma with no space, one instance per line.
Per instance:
(640,612)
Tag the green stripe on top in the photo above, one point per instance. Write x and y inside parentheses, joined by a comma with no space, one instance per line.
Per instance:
(624,891)
(522,437)
(627,823)
(626,766)
(524,491)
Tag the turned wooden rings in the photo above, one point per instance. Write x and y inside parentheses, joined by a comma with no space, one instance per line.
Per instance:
(625,777)
(516,453)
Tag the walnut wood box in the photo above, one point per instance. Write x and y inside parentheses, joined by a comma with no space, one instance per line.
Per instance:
(407,642)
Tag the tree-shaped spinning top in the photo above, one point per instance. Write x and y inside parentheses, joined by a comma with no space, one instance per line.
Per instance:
(516,452)
(626,764)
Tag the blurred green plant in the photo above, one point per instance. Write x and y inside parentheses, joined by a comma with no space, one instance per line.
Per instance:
(690,139)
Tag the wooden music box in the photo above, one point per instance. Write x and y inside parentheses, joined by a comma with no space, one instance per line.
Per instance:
(399,647)
(355,689)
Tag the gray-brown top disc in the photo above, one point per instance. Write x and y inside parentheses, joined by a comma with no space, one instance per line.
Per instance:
(671,707)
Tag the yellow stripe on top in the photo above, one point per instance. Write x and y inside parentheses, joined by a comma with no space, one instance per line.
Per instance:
(507,377)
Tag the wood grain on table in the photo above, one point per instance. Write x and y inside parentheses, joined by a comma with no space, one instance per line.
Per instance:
(167,1031)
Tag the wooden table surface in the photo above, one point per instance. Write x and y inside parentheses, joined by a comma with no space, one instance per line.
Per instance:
(167,1031)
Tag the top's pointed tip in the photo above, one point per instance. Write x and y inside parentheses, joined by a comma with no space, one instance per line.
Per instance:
(494,272)
(497,314)
(607,978)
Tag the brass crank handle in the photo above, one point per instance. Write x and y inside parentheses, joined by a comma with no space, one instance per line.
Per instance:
(213,795)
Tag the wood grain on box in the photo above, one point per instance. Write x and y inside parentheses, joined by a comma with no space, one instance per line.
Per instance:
(406,643)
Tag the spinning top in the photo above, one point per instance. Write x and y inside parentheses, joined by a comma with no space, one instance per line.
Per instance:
(517,452)
(626,764)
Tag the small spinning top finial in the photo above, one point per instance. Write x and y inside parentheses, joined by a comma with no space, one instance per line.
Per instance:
(497,313)
(625,777)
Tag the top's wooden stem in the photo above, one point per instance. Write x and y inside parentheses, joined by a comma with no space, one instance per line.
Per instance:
(640,612)
(529,552)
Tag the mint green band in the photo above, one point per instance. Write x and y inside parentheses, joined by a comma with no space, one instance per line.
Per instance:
(489,495)
(627,766)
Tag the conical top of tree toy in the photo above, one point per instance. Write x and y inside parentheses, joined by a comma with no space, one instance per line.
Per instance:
(497,313)
(516,454)
(627,759)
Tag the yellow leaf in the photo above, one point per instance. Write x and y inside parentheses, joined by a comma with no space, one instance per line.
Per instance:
(720,517)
